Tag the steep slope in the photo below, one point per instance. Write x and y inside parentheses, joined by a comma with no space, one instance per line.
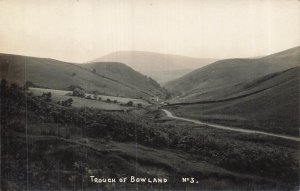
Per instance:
(156,65)
(123,73)
(61,75)
(269,103)
(212,81)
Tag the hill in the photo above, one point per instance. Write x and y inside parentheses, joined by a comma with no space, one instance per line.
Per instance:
(269,103)
(161,67)
(215,80)
(106,78)
(123,73)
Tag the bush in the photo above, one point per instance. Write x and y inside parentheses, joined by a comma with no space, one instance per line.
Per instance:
(108,100)
(46,96)
(73,87)
(29,84)
(78,92)
(66,103)
(129,103)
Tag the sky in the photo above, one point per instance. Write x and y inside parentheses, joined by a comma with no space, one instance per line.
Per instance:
(82,30)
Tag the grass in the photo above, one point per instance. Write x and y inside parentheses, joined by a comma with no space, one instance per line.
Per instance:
(270,104)
(61,95)
(273,110)
(122,100)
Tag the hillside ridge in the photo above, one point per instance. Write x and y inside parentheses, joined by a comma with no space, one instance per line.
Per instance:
(56,74)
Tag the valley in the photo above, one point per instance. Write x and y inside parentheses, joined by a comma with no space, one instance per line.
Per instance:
(70,144)
(148,95)
(102,102)
(232,124)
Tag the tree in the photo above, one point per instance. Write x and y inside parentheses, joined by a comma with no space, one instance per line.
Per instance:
(168,95)
(28,84)
(66,103)
(47,96)
(69,102)
(129,103)
(3,85)
(73,87)
(78,92)
(95,96)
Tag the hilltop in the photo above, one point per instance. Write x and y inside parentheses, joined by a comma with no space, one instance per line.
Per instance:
(161,67)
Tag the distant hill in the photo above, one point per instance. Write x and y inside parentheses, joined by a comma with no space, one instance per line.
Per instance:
(161,67)
(107,78)
(269,103)
(216,80)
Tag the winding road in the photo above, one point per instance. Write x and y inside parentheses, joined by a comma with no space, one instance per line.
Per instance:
(169,114)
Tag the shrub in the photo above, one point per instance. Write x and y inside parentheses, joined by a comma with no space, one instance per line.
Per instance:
(73,87)
(46,96)
(69,102)
(66,103)
(78,92)
(29,84)
(129,103)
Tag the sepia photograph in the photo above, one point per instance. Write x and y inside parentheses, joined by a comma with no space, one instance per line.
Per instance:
(120,95)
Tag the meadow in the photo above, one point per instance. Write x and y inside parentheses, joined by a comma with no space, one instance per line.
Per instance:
(114,103)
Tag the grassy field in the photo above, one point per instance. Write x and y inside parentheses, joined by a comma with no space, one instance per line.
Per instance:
(122,100)
(60,95)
